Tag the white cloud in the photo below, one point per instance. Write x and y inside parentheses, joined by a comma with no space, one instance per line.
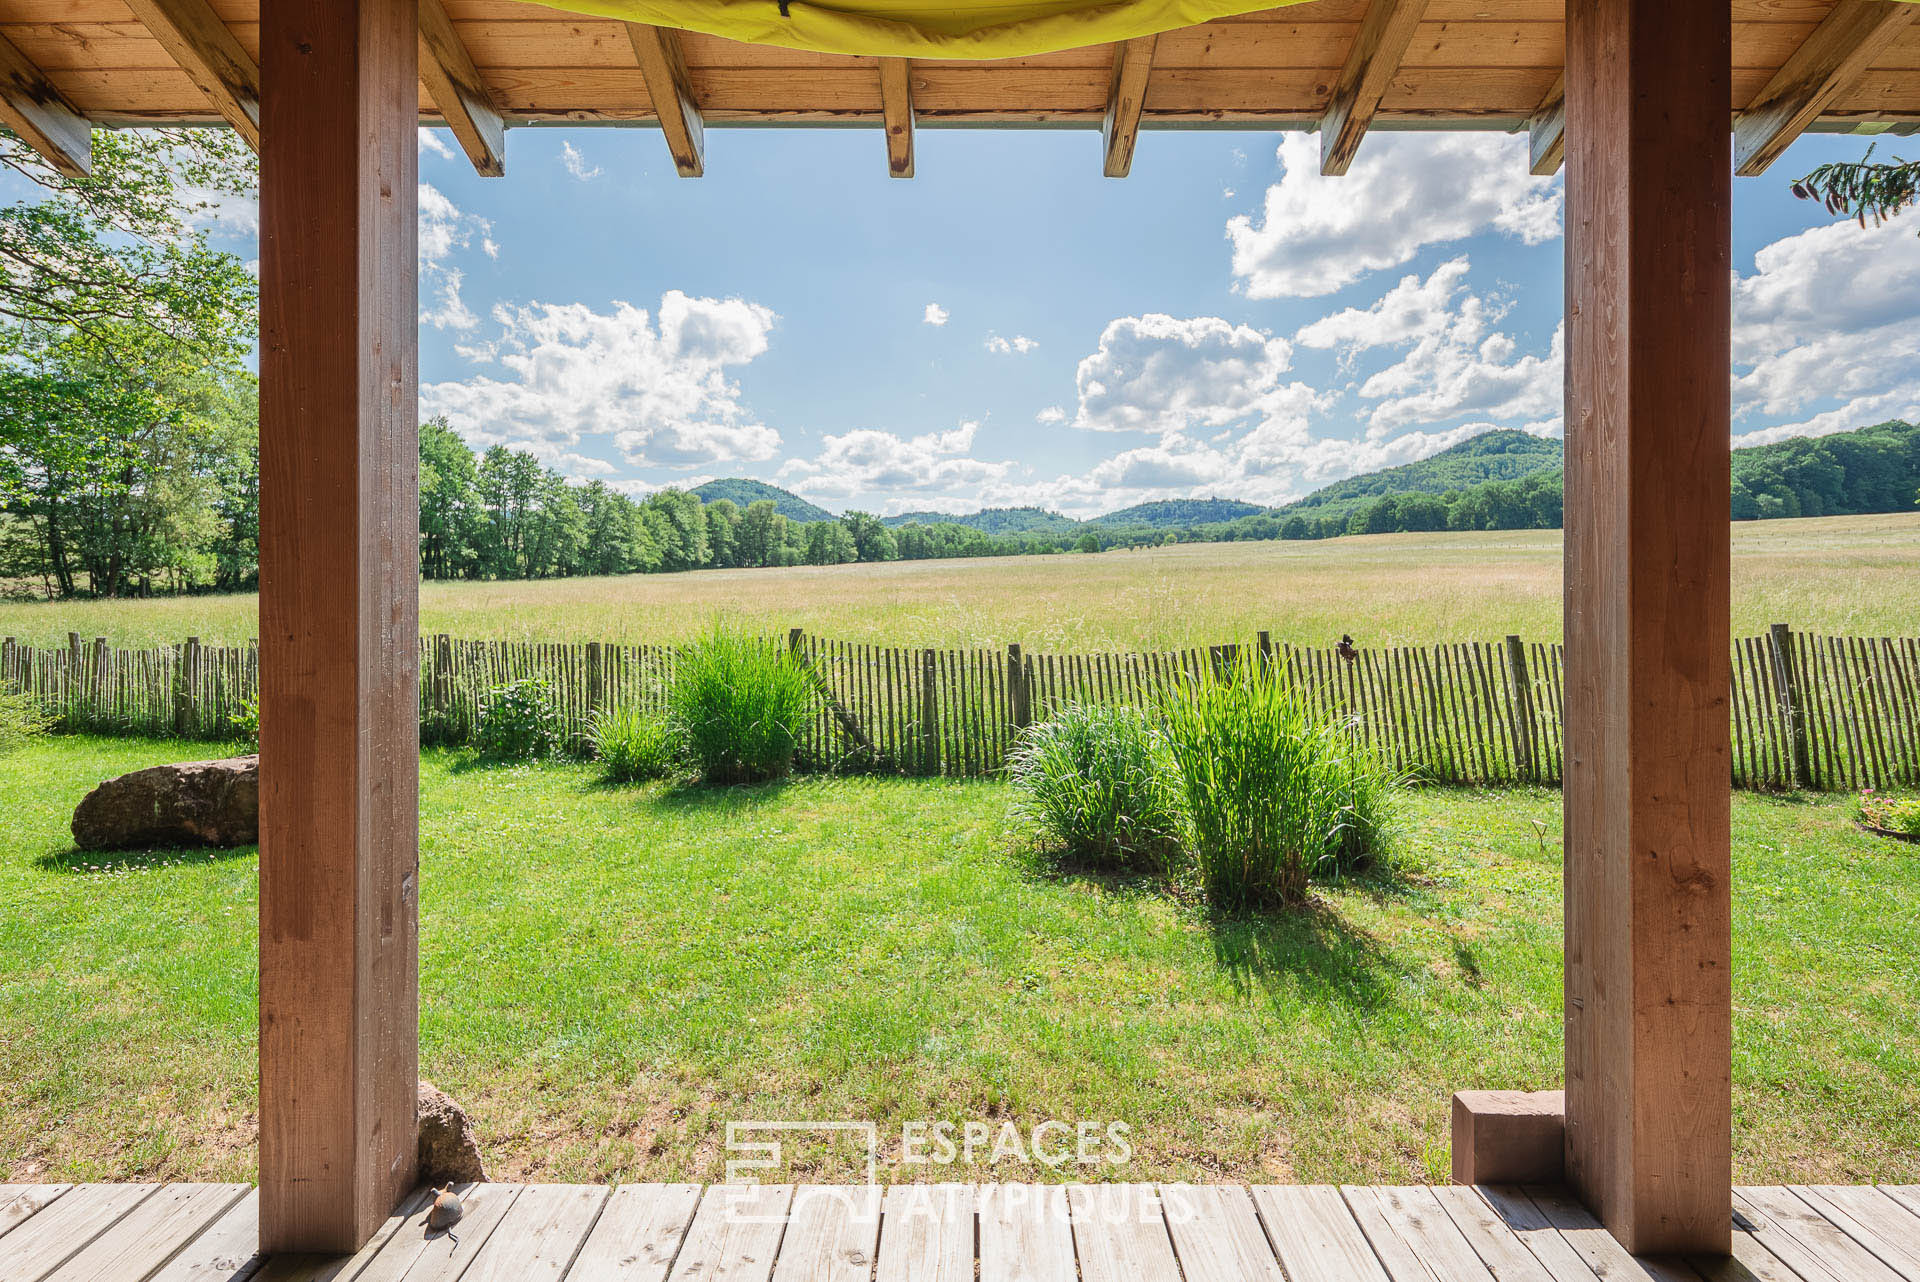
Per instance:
(934,315)
(866,461)
(445,228)
(1316,235)
(658,391)
(1019,344)
(431,141)
(577,164)
(1052,416)
(1157,373)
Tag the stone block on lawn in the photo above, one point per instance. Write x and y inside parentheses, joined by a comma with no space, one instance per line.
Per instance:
(449,1153)
(1509,1137)
(191,803)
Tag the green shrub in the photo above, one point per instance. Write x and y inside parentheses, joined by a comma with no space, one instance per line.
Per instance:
(21,718)
(519,722)
(1890,813)
(738,704)
(246,722)
(1274,795)
(632,745)
(1098,782)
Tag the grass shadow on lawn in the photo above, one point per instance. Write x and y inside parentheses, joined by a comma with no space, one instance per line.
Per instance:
(1310,947)
(74,860)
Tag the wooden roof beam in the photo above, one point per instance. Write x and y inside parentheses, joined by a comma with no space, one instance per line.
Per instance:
(1845,44)
(34,109)
(1371,64)
(455,86)
(896,105)
(1547,131)
(195,38)
(664,68)
(1120,130)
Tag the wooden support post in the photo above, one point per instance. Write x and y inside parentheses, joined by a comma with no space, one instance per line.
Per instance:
(339,619)
(1648,908)
(1020,688)
(929,715)
(1792,702)
(1526,755)
(186,687)
(896,110)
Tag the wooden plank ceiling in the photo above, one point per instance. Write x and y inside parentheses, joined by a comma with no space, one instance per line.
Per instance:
(1354,64)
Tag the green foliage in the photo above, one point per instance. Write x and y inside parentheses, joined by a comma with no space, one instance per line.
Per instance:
(1179,513)
(1894,814)
(738,703)
(632,744)
(994,520)
(519,722)
(21,718)
(1874,469)
(743,494)
(1274,795)
(1863,187)
(1099,783)
(246,722)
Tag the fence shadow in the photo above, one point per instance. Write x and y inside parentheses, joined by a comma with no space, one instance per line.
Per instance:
(150,859)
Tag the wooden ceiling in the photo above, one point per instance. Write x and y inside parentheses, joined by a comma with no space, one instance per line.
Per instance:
(1343,65)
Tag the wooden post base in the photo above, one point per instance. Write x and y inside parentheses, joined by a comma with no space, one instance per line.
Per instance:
(1509,1137)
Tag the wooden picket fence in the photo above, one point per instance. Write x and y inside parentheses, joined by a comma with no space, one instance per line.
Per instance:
(1821,712)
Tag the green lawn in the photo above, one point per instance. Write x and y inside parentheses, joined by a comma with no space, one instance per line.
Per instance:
(609,976)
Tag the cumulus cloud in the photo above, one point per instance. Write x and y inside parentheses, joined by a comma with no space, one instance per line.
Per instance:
(432,142)
(657,389)
(577,164)
(867,460)
(1163,374)
(934,315)
(1315,235)
(1018,345)
(444,229)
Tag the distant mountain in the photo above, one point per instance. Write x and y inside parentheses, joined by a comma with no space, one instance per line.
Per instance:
(1493,456)
(742,492)
(995,520)
(1179,514)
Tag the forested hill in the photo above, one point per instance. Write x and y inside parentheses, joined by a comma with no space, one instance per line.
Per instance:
(1177,514)
(994,520)
(1495,456)
(743,493)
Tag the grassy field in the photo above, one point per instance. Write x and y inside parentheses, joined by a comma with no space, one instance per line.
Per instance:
(1843,574)
(609,976)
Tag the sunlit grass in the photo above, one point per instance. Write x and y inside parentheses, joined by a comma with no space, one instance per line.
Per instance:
(610,975)
(1844,574)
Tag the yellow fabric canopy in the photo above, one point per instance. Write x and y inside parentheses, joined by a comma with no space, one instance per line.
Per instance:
(920,28)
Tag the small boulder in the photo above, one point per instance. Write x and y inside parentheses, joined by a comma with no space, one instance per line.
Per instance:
(192,803)
(449,1154)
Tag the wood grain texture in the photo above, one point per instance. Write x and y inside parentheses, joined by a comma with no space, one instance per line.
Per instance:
(456,86)
(1806,1241)
(896,109)
(339,735)
(1841,48)
(1315,1235)
(64,1228)
(1120,1234)
(638,1234)
(927,1234)
(735,1235)
(35,109)
(226,1252)
(1648,758)
(1547,132)
(1126,97)
(1495,1241)
(200,45)
(1217,1235)
(663,68)
(1026,1234)
(22,1202)
(833,1234)
(1372,63)
(542,1231)
(150,1234)
(1873,1219)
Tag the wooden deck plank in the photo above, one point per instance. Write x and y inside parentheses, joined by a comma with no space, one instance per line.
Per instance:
(1525,1221)
(735,1234)
(926,1234)
(414,1254)
(1872,1219)
(1493,1240)
(540,1234)
(1217,1235)
(64,1229)
(1907,1195)
(227,1252)
(1750,1261)
(1807,1241)
(833,1234)
(1025,1234)
(312,1268)
(1598,1247)
(1120,1234)
(24,1201)
(1424,1234)
(150,1234)
(1315,1235)
(638,1234)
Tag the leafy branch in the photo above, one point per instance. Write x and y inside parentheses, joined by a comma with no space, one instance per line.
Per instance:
(1862,187)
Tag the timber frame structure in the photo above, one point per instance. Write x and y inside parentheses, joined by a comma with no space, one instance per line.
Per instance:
(1651,103)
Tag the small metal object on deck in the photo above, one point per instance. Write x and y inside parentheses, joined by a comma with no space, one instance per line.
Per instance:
(446,1210)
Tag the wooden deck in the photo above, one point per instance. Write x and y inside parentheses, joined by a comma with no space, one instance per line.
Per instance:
(943,1233)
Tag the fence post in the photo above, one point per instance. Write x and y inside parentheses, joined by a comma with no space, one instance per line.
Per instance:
(186,658)
(1522,711)
(442,678)
(1792,701)
(929,716)
(1018,689)
(6,665)
(1265,644)
(102,680)
(596,680)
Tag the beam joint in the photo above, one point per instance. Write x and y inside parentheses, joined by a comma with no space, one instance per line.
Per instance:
(664,68)
(455,86)
(195,38)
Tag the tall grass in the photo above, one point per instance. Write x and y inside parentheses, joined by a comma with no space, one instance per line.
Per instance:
(738,703)
(632,744)
(1098,782)
(1274,795)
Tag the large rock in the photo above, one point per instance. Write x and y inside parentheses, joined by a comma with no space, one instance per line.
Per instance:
(449,1154)
(193,803)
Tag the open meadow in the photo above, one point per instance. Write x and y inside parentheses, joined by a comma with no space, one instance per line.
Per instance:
(1858,575)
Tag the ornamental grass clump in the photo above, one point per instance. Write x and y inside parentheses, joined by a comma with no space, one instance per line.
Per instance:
(1098,784)
(738,704)
(1274,794)
(633,745)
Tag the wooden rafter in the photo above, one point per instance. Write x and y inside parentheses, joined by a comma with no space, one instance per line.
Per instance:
(896,105)
(1371,63)
(1844,45)
(34,109)
(1120,129)
(1547,131)
(455,85)
(664,69)
(195,38)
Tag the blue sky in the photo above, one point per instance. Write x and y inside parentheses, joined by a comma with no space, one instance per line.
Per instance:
(1223,322)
